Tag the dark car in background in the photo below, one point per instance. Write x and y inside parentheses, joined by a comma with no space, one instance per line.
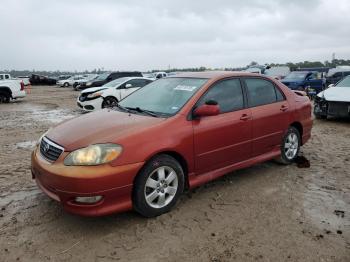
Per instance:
(107,77)
(306,81)
(42,80)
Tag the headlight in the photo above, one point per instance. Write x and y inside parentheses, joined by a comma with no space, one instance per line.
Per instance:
(88,83)
(97,94)
(93,155)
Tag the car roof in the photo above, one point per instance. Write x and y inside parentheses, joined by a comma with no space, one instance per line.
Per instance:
(214,74)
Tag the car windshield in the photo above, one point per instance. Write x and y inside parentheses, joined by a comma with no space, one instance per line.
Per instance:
(277,71)
(116,82)
(102,76)
(345,82)
(165,96)
(296,75)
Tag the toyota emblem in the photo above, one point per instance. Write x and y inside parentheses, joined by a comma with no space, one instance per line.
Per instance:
(46,148)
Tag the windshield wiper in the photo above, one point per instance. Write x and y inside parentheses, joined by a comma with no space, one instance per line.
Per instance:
(122,108)
(148,112)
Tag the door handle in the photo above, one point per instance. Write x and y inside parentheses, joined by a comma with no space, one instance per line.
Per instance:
(284,108)
(245,117)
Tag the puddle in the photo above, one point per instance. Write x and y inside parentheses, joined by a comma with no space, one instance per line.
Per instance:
(54,116)
(26,145)
(45,112)
(326,206)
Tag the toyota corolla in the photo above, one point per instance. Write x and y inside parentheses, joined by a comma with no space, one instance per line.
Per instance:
(172,135)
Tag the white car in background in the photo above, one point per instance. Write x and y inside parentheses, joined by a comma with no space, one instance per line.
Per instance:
(334,101)
(69,81)
(110,94)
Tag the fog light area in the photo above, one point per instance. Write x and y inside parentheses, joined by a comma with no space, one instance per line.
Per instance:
(88,200)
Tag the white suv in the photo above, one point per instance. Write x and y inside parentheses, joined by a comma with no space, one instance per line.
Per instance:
(111,93)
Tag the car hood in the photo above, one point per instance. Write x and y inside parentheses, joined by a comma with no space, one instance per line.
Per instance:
(103,126)
(93,89)
(337,94)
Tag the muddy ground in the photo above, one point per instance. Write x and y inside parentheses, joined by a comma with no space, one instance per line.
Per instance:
(267,212)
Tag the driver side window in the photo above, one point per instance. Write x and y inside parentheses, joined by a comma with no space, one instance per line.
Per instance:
(227,93)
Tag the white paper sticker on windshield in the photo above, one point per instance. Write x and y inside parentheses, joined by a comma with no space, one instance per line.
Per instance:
(185,88)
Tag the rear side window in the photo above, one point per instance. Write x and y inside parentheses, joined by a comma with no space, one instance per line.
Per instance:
(260,92)
(138,82)
(227,93)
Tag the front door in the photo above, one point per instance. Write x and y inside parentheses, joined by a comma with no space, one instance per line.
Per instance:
(224,139)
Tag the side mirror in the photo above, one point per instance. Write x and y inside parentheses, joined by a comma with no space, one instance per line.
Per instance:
(210,108)
(331,85)
(128,85)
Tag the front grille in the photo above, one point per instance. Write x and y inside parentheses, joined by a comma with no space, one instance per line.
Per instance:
(49,150)
(341,109)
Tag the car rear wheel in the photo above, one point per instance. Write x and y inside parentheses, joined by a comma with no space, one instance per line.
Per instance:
(66,84)
(290,146)
(109,102)
(4,97)
(158,186)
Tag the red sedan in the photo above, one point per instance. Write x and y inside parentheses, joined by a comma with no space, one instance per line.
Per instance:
(173,134)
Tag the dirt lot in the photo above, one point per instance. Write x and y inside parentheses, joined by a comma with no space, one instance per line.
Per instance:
(265,213)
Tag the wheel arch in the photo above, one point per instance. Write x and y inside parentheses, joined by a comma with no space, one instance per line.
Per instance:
(178,157)
(299,127)
(6,89)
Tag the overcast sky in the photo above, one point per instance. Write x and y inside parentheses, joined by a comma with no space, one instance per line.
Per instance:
(143,35)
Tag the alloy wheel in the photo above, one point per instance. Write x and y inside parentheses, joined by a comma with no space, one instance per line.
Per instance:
(161,187)
(291,146)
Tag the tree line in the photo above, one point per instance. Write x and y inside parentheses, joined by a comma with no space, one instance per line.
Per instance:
(292,66)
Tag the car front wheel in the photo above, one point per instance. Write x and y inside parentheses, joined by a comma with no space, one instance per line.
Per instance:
(158,186)
(290,146)
(109,102)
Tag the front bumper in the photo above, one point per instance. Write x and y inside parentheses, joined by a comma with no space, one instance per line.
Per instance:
(90,105)
(329,108)
(65,183)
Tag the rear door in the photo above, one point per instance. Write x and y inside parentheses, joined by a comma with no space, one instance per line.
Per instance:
(270,111)
(224,139)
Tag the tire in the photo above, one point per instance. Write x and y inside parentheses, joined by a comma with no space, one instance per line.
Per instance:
(290,153)
(154,195)
(66,84)
(109,102)
(4,97)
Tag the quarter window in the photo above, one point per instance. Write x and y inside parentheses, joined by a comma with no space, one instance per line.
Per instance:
(279,95)
(227,93)
(261,92)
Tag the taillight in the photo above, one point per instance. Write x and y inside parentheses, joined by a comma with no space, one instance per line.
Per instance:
(22,86)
